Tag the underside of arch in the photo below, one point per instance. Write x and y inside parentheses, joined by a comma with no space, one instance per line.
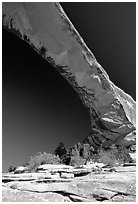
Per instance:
(46,27)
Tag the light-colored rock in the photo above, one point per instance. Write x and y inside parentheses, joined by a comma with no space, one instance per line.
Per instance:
(13,195)
(54,167)
(104,186)
(26,176)
(20,169)
(133,156)
(94,165)
(39,176)
(125,169)
(67,175)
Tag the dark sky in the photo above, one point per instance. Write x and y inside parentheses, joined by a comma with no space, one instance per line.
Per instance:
(40,109)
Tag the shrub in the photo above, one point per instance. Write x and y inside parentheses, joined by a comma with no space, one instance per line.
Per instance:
(86,151)
(66,159)
(77,161)
(108,158)
(114,156)
(42,158)
(123,155)
(11,168)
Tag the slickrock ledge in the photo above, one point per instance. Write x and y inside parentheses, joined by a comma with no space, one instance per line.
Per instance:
(48,30)
(104,185)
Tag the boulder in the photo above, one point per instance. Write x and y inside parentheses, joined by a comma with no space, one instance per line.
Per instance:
(133,156)
(67,175)
(94,165)
(81,172)
(20,169)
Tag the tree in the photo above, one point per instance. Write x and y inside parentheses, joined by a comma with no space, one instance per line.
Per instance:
(86,151)
(61,151)
(75,158)
(66,159)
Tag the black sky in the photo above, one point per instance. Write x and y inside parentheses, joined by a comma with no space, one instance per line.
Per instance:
(40,109)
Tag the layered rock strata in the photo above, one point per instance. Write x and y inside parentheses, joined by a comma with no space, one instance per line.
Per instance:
(46,27)
(118,184)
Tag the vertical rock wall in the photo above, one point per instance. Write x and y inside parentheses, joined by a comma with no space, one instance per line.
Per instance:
(48,30)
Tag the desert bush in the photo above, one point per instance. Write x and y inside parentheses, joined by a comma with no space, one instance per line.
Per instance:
(123,155)
(114,155)
(11,168)
(107,157)
(77,161)
(42,158)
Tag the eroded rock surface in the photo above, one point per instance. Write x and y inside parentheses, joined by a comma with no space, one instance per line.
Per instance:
(118,185)
(48,30)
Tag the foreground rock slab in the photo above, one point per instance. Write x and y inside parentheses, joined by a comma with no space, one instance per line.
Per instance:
(46,27)
(119,186)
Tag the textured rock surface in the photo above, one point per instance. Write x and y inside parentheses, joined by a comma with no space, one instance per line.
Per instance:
(20,169)
(59,172)
(118,185)
(52,167)
(48,30)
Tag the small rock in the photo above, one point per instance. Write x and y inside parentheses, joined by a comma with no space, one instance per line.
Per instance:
(133,156)
(67,175)
(94,165)
(20,169)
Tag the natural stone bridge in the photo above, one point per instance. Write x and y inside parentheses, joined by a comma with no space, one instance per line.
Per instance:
(48,30)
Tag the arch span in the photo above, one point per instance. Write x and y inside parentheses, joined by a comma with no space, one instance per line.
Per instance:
(46,27)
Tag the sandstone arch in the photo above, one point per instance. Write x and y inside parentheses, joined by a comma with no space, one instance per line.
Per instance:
(48,30)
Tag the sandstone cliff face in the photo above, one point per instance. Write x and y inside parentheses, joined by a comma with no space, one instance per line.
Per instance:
(48,30)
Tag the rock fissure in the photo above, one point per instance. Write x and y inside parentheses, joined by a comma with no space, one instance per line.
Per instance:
(106,184)
(76,198)
(118,192)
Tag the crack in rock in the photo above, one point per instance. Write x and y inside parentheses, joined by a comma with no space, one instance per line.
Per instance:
(72,196)
(99,197)
(118,192)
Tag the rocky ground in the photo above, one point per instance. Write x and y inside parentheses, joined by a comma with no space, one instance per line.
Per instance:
(107,184)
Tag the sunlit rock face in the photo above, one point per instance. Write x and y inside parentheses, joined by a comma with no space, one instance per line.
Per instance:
(48,30)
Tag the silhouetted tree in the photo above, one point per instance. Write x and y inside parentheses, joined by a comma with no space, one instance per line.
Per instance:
(66,159)
(61,151)
(80,148)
